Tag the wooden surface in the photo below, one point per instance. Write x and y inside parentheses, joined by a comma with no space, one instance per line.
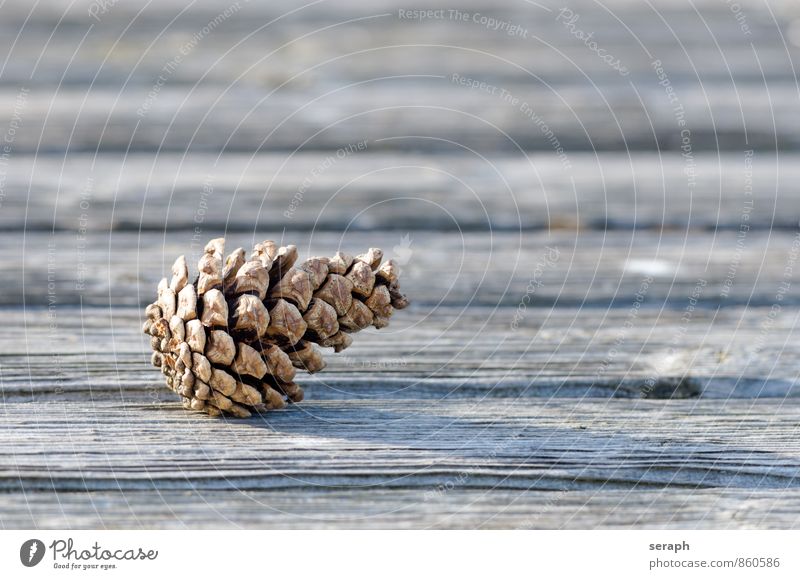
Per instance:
(606,343)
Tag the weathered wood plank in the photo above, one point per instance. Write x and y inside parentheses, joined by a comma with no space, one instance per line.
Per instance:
(559,268)
(188,119)
(404,444)
(445,353)
(460,416)
(366,190)
(722,74)
(375,508)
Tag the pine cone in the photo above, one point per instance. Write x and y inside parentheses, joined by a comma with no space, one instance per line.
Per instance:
(230,342)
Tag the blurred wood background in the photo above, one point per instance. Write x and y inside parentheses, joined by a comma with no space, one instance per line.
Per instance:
(602,263)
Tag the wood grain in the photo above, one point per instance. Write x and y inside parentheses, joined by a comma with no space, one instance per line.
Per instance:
(404,444)
(403,191)
(376,508)
(560,268)
(366,73)
(601,340)
(445,353)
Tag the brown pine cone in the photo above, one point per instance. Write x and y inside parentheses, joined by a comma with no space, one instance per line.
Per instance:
(231,341)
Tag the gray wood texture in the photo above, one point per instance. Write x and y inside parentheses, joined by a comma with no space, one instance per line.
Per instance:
(501,463)
(579,268)
(602,340)
(447,352)
(404,191)
(401,509)
(276,75)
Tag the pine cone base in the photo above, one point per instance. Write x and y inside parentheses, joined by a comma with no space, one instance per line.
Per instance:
(231,342)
